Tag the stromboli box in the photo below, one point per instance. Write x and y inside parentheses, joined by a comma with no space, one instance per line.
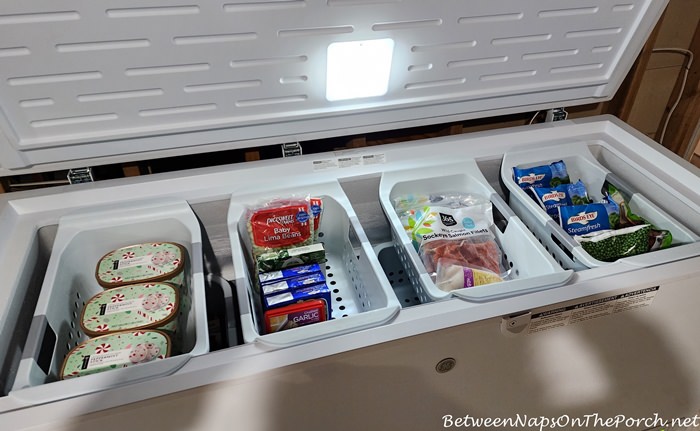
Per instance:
(112,82)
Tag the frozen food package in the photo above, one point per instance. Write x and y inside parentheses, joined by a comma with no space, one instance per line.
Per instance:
(289,257)
(461,234)
(280,224)
(477,251)
(114,351)
(287,273)
(316,205)
(316,291)
(141,263)
(542,176)
(295,315)
(292,283)
(610,245)
(551,198)
(411,208)
(584,219)
(657,239)
(131,307)
(452,275)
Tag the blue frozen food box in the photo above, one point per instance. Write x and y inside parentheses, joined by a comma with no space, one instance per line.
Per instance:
(293,283)
(287,273)
(316,291)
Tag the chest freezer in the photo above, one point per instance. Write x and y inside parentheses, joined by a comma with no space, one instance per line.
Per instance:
(566,340)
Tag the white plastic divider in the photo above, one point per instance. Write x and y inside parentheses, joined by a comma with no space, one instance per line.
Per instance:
(582,164)
(362,296)
(81,240)
(531,267)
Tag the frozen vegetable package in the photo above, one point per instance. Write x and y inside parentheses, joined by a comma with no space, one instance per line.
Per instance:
(550,175)
(278,225)
(610,245)
(551,198)
(657,238)
(584,219)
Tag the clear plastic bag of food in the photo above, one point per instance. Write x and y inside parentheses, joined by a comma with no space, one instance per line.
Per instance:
(413,208)
(452,275)
(478,251)
(610,245)
(462,235)
(657,239)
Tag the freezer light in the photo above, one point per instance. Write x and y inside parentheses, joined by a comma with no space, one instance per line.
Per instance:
(358,69)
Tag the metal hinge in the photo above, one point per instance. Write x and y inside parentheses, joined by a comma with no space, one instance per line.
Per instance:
(556,114)
(291,149)
(80,175)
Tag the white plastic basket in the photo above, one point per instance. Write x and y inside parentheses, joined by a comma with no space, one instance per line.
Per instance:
(581,164)
(532,268)
(81,240)
(361,295)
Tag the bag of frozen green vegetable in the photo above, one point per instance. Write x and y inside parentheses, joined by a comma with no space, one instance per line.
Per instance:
(541,176)
(658,238)
(551,198)
(584,219)
(279,224)
(610,245)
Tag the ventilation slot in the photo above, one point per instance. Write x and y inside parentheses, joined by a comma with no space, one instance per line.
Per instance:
(177,110)
(214,38)
(152,11)
(33,18)
(263,6)
(53,122)
(222,86)
(132,94)
(558,13)
(406,25)
(271,101)
(490,18)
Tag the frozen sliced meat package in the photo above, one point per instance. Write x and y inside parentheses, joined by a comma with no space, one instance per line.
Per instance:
(478,251)
(461,234)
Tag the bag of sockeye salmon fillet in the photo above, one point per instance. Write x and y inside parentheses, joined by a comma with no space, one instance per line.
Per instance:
(461,234)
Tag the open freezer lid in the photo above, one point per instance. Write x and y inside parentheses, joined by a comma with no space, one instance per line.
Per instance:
(95,82)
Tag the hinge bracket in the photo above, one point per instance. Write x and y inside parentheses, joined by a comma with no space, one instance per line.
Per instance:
(291,149)
(556,114)
(80,175)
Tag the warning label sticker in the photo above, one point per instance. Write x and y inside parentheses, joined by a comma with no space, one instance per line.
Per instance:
(349,161)
(591,309)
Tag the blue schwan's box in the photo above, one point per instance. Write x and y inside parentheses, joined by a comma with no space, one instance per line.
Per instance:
(287,273)
(316,291)
(293,283)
